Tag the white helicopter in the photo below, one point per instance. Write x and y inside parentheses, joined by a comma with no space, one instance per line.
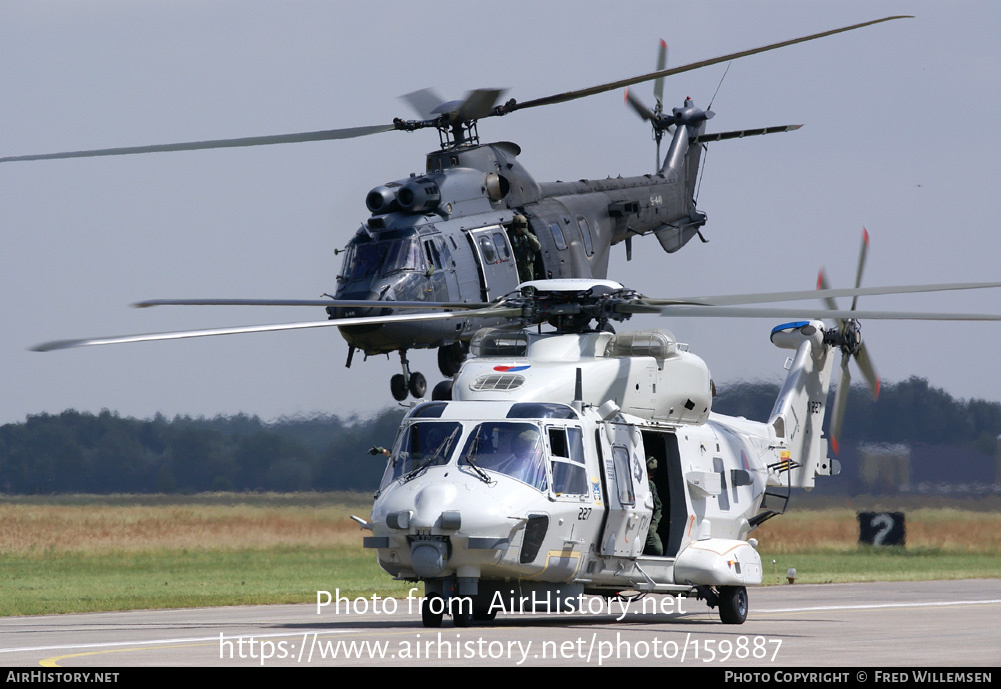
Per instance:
(527,482)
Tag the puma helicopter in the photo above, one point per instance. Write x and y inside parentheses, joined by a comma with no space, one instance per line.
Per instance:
(445,235)
(534,478)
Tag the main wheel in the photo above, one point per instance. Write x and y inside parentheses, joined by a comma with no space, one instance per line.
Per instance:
(398,386)
(418,384)
(429,617)
(450,359)
(732,604)
(484,614)
(463,616)
(442,391)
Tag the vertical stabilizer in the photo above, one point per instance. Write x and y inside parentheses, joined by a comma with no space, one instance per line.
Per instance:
(798,415)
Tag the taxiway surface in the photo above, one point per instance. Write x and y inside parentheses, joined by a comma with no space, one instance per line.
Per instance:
(916,624)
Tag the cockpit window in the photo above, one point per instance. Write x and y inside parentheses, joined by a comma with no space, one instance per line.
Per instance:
(422,444)
(378,258)
(402,254)
(513,449)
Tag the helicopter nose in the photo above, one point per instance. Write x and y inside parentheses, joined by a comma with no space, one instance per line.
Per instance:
(431,504)
(358,311)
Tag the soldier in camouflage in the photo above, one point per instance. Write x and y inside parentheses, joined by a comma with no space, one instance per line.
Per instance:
(525,245)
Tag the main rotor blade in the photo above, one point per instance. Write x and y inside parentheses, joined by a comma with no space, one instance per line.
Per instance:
(325,135)
(739,312)
(478,104)
(339,303)
(423,102)
(622,83)
(740,134)
(825,293)
(337,322)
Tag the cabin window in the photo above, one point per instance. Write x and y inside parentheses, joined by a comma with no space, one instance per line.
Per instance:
(505,253)
(585,235)
(623,478)
(488,251)
(566,448)
(561,242)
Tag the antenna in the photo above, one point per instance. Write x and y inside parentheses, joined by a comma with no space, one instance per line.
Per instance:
(578,393)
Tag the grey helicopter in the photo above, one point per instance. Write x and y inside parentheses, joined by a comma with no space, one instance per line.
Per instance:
(455,235)
(577,465)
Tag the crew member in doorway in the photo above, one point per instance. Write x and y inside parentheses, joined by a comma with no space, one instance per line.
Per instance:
(525,245)
(653,543)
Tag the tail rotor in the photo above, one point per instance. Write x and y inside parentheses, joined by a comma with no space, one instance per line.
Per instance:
(655,116)
(848,338)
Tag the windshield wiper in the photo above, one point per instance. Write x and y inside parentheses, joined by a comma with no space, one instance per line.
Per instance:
(484,476)
(430,460)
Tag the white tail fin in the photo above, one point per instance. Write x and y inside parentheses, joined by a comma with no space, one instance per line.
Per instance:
(798,415)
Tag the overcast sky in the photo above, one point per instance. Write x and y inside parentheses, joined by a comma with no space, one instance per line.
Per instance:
(900,136)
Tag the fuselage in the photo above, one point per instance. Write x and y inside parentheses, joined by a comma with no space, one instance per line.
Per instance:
(444,236)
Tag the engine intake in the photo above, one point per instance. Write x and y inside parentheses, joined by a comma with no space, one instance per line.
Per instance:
(419,196)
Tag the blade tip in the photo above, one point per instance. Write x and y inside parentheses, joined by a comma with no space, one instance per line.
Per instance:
(51,346)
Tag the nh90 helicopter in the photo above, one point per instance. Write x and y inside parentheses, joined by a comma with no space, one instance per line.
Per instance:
(580,461)
(445,236)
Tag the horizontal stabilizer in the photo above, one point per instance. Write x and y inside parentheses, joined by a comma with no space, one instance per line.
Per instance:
(740,134)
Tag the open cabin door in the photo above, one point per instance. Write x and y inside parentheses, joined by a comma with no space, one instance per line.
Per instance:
(495,259)
(624,471)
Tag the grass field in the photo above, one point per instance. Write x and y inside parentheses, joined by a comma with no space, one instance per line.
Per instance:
(90,553)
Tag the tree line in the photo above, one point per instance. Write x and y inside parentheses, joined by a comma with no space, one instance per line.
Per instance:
(106,453)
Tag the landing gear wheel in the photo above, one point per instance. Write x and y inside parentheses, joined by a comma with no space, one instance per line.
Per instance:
(442,391)
(428,617)
(732,604)
(484,615)
(450,359)
(398,386)
(463,616)
(418,385)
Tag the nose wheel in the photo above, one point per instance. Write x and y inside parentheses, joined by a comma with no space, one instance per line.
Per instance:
(406,383)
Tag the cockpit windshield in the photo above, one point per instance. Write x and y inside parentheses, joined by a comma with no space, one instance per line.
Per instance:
(421,445)
(366,258)
(513,449)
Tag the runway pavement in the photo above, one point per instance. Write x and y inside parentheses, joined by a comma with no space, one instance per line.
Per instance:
(913,624)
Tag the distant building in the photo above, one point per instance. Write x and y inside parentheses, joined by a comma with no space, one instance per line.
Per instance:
(884,467)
